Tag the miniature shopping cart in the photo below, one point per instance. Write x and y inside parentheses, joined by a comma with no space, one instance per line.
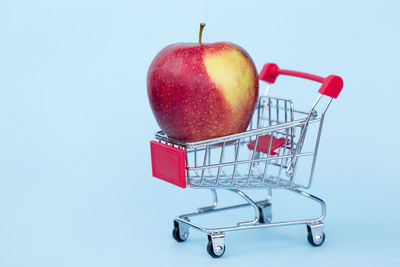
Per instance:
(268,155)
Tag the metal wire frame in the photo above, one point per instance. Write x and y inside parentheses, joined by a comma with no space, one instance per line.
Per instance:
(273,116)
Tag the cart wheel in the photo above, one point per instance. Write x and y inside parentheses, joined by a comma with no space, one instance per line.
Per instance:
(178,234)
(316,241)
(216,246)
(210,250)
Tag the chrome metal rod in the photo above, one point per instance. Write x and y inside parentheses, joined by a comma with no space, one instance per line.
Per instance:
(248,161)
(260,225)
(252,203)
(214,203)
(161,136)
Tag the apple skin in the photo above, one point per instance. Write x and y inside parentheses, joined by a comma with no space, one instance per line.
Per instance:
(202,91)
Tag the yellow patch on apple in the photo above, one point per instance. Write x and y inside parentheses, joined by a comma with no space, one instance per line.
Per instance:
(232,73)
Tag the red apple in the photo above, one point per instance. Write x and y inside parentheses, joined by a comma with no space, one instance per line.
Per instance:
(199,91)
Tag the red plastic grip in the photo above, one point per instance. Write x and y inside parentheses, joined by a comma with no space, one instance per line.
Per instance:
(269,73)
(331,85)
(168,163)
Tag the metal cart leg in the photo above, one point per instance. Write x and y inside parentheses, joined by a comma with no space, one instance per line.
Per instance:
(213,205)
(252,203)
(315,228)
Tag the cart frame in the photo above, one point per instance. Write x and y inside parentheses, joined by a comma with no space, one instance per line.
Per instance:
(269,165)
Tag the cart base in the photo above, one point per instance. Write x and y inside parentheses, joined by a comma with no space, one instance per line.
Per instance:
(262,218)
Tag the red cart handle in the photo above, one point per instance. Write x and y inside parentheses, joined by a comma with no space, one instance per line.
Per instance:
(331,85)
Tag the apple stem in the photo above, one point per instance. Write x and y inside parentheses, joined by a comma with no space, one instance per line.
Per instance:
(201,31)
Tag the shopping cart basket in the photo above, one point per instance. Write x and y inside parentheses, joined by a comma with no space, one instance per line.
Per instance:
(266,156)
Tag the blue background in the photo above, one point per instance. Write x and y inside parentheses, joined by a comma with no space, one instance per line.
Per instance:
(75,124)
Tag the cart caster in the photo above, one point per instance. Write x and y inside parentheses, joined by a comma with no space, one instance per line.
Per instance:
(265,212)
(316,235)
(180,232)
(216,246)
